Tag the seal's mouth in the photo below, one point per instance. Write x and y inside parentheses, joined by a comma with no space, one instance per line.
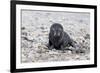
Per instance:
(57,38)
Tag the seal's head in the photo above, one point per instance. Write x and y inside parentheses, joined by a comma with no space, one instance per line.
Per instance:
(56,30)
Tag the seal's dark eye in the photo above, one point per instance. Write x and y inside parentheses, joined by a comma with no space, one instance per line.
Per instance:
(60,29)
(53,29)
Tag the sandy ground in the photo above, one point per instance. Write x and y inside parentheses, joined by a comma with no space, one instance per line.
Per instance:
(35,26)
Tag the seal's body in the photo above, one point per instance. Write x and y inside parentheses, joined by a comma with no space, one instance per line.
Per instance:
(58,39)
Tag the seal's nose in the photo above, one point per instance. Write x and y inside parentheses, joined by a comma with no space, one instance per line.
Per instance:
(56,34)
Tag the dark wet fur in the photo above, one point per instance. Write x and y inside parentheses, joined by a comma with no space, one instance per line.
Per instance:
(59,39)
